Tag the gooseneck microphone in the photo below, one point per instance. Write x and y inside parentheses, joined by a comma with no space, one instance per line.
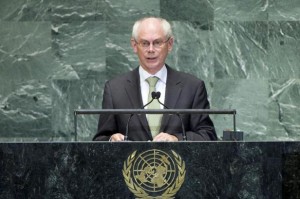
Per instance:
(156,95)
(153,95)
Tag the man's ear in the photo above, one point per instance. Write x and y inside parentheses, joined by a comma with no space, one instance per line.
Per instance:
(170,44)
(133,45)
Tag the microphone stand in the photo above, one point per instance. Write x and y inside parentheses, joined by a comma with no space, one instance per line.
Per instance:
(127,126)
(156,95)
(128,121)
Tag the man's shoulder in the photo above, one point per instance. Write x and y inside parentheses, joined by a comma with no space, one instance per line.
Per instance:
(180,75)
(130,75)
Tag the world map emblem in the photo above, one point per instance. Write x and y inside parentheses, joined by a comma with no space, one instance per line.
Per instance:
(154,174)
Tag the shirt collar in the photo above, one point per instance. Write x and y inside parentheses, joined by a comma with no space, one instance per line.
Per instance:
(161,74)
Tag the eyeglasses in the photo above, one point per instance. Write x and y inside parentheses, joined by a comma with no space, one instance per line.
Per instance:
(156,43)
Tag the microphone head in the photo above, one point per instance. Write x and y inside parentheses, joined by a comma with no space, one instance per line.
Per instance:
(155,95)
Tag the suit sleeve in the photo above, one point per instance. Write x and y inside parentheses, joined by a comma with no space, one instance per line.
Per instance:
(107,124)
(202,128)
(199,126)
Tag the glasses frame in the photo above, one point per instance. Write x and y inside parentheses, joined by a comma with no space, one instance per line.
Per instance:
(156,47)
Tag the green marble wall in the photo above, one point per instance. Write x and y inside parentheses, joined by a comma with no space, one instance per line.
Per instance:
(56,55)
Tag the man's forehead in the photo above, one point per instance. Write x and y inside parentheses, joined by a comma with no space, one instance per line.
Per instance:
(151,25)
(151,33)
(155,39)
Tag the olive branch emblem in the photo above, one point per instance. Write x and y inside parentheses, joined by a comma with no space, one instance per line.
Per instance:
(140,193)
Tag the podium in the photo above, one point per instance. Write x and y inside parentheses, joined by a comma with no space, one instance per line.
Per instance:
(107,170)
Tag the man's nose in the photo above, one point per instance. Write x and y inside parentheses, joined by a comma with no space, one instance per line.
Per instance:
(151,47)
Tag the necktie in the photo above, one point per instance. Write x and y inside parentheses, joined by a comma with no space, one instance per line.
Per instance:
(154,120)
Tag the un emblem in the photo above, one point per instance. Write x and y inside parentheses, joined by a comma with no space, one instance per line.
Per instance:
(154,174)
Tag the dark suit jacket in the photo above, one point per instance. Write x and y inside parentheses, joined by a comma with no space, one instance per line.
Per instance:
(183,91)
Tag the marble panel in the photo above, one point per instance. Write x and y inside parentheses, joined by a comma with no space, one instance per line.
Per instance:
(69,95)
(237,10)
(252,112)
(94,170)
(24,10)
(188,10)
(25,114)
(284,10)
(120,57)
(284,47)
(241,49)
(284,109)
(67,11)
(193,49)
(76,10)
(25,53)
(131,10)
(290,174)
(26,62)
(81,46)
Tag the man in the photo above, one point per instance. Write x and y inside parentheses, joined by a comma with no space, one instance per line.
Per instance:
(152,41)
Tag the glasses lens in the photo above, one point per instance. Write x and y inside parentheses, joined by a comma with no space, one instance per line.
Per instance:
(145,44)
(156,44)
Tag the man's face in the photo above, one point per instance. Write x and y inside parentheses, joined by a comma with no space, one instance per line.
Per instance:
(152,58)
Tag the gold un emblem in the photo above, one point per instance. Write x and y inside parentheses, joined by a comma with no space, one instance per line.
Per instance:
(154,174)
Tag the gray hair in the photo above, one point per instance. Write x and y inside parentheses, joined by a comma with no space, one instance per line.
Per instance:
(165,25)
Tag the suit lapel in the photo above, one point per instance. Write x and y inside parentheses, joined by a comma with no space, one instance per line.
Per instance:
(133,91)
(173,90)
(132,87)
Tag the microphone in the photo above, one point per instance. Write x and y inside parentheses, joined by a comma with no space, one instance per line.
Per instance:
(156,95)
